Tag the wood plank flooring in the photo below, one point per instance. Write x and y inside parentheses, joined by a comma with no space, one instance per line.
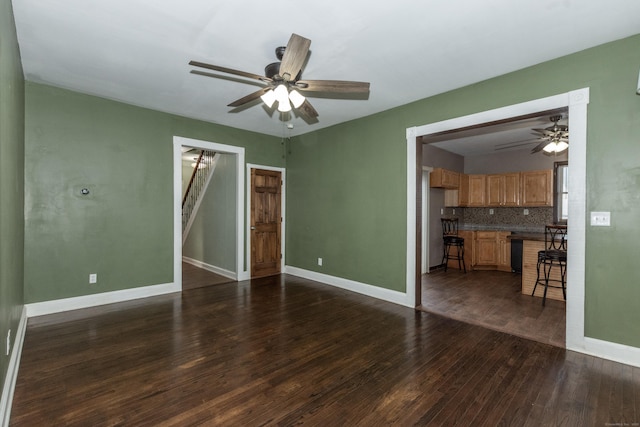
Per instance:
(287,351)
(493,299)
(196,277)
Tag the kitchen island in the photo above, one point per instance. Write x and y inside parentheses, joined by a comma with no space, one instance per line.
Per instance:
(531,244)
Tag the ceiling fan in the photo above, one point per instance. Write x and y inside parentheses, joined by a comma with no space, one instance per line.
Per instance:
(282,80)
(554,139)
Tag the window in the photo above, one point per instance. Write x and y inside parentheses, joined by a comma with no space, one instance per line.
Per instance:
(560,192)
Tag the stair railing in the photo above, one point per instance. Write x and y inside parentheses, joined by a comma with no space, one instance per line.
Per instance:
(197,183)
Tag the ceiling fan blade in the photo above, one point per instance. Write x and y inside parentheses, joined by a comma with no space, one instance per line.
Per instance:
(307,110)
(229,71)
(294,56)
(245,99)
(539,147)
(333,86)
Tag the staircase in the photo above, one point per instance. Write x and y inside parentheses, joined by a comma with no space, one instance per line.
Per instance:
(202,171)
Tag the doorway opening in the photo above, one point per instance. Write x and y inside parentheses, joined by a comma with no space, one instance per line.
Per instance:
(576,102)
(236,162)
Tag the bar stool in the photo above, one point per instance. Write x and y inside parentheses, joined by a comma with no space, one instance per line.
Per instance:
(553,256)
(451,239)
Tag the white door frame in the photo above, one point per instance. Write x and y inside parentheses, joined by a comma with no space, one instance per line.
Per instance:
(577,102)
(282,212)
(426,170)
(178,142)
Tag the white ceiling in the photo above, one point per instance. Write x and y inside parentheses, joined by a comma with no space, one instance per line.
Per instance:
(137,51)
(493,138)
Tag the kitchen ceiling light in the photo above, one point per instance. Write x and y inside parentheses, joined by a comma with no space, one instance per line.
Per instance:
(553,139)
(555,147)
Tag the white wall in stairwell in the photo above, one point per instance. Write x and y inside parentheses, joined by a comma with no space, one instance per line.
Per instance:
(212,238)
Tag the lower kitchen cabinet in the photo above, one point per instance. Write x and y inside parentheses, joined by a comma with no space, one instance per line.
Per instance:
(504,250)
(468,237)
(485,250)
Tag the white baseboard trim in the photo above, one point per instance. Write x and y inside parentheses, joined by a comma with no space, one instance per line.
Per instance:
(12,370)
(351,285)
(212,268)
(85,301)
(609,350)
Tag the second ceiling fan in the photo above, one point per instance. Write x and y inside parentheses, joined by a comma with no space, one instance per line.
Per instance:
(282,80)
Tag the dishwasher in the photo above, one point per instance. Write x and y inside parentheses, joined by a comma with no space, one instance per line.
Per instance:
(516,255)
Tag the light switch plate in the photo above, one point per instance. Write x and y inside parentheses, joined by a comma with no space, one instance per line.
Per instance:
(601,219)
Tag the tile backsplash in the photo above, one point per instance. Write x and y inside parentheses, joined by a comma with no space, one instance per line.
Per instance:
(512,219)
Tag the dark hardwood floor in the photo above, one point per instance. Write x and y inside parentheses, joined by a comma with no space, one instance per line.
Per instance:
(493,299)
(287,351)
(196,277)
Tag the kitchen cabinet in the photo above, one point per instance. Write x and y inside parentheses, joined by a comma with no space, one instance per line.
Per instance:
(463,190)
(536,188)
(504,250)
(468,237)
(486,249)
(451,198)
(503,189)
(477,184)
(443,178)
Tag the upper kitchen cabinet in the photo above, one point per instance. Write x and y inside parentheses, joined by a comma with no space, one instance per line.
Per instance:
(443,178)
(536,188)
(477,184)
(503,189)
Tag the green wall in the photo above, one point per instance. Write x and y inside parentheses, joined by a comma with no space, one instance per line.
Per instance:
(11,183)
(346,184)
(122,230)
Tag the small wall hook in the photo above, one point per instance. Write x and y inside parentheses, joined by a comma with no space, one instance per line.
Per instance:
(84,191)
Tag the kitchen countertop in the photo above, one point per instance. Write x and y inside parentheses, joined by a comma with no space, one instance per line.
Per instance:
(520,229)
(538,237)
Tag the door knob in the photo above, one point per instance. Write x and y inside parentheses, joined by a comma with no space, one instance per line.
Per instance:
(253,228)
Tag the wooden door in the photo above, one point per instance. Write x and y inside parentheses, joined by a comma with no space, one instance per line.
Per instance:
(266,222)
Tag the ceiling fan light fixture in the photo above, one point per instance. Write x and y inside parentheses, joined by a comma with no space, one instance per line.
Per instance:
(269,98)
(282,95)
(296,99)
(555,147)
(284,107)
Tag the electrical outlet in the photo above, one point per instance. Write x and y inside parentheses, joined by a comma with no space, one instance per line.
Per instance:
(441,211)
(526,211)
(454,211)
(93,278)
(490,211)
(8,342)
(320,261)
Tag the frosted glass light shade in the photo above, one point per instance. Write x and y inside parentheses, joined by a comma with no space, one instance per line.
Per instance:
(269,98)
(282,95)
(555,147)
(285,106)
(296,99)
